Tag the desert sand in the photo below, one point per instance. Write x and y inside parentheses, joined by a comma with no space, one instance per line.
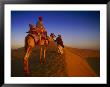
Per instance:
(77,66)
(72,63)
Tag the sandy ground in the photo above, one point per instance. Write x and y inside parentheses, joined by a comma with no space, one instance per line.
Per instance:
(77,66)
(70,64)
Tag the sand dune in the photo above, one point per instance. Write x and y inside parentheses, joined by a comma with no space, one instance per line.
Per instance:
(76,66)
(72,63)
(54,67)
(85,53)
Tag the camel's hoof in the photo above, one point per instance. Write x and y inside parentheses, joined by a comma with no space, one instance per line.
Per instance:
(44,61)
(27,73)
(40,61)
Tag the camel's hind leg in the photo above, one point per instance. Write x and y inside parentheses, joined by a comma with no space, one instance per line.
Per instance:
(26,58)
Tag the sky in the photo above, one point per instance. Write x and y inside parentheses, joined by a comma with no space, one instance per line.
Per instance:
(79,29)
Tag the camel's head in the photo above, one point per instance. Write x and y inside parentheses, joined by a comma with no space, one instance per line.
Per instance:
(31,26)
(52,35)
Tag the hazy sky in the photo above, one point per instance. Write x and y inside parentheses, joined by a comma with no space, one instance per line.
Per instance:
(79,29)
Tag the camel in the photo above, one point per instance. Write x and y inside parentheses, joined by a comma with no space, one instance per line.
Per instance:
(30,43)
(60,45)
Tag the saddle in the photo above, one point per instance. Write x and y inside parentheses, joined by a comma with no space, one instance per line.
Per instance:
(37,37)
(37,34)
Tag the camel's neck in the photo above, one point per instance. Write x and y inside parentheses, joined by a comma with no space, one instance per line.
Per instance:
(51,38)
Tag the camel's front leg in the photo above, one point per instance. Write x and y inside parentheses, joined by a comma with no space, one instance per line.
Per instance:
(40,54)
(26,58)
(45,55)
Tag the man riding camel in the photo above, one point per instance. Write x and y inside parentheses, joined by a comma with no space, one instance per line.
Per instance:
(60,45)
(39,31)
